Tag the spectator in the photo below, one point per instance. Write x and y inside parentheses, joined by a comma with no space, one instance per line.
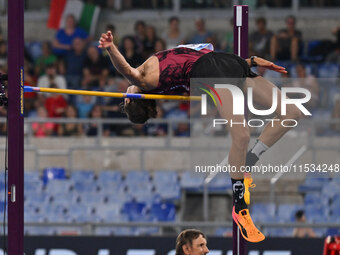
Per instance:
(70,129)
(201,35)
(334,56)
(113,109)
(3,55)
(51,77)
(285,45)
(84,106)
(75,59)
(228,39)
(160,45)
(302,232)
(55,104)
(173,36)
(140,36)
(64,37)
(30,98)
(47,58)
(182,130)
(260,39)
(336,114)
(157,129)
(129,52)
(150,42)
(92,129)
(95,68)
(42,129)
(308,82)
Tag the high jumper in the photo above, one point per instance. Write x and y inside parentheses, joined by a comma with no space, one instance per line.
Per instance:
(168,73)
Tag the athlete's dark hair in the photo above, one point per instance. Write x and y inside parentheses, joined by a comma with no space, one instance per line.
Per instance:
(139,111)
(299,214)
(186,237)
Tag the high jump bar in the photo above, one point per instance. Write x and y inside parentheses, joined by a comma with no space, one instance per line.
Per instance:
(111,94)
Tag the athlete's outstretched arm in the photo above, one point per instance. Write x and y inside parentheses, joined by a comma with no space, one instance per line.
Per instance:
(267,64)
(133,75)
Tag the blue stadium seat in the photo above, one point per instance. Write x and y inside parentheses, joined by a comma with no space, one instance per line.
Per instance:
(317,213)
(332,232)
(136,211)
(286,212)
(328,70)
(67,200)
(31,176)
(334,218)
(137,176)
(2,186)
(221,182)
(33,187)
(38,199)
(56,187)
(80,213)
(109,212)
(192,181)
(2,206)
(108,187)
(315,198)
(110,176)
(82,175)
(336,199)
(165,178)
(141,186)
(335,208)
(163,212)
(263,212)
(52,173)
(58,218)
(314,182)
(169,192)
(166,185)
(93,199)
(54,209)
(146,197)
(118,197)
(33,217)
(81,186)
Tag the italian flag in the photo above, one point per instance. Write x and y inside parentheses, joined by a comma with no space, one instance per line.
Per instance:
(85,14)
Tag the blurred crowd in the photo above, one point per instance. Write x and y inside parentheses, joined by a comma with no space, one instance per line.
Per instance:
(72,60)
(167,4)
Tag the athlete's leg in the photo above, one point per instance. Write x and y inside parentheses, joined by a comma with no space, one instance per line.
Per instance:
(239,133)
(273,131)
(262,95)
(240,139)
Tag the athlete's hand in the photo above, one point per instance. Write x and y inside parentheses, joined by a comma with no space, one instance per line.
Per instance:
(270,65)
(105,40)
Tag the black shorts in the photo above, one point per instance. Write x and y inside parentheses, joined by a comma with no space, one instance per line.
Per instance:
(222,65)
